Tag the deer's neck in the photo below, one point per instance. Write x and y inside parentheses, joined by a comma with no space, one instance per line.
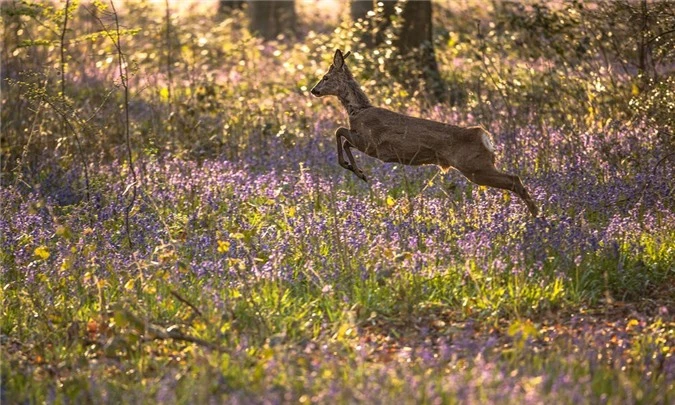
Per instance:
(354,99)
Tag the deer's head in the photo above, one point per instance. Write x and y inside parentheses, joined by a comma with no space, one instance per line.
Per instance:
(335,79)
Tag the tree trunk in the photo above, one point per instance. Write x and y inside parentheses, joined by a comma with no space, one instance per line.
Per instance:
(377,24)
(413,43)
(227,6)
(272,18)
(359,9)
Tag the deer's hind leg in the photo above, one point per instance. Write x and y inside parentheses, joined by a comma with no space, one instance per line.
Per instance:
(494,178)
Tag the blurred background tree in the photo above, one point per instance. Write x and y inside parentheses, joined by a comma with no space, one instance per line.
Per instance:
(406,27)
(359,9)
(226,6)
(272,18)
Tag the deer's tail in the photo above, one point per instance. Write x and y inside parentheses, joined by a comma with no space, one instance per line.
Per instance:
(487,141)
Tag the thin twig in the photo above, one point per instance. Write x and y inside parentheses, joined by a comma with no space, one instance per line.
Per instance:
(98,109)
(503,96)
(24,152)
(662,34)
(649,182)
(186,302)
(65,124)
(123,70)
(78,144)
(168,54)
(63,64)
(124,80)
(656,166)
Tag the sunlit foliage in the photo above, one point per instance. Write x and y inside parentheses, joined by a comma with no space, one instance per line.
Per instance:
(259,270)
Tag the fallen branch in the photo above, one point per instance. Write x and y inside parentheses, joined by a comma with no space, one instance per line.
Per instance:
(186,302)
(151,331)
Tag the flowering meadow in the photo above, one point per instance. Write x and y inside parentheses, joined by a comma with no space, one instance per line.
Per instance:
(234,261)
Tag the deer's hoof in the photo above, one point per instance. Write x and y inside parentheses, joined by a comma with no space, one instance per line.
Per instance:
(534,210)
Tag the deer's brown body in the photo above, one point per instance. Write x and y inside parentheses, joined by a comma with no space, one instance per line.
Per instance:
(394,137)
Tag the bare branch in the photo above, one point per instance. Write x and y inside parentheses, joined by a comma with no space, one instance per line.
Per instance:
(186,302)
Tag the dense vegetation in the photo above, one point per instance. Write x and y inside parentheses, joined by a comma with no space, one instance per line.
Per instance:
(175,227)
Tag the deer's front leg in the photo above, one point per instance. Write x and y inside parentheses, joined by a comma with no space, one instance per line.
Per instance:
(347,146)
(343,137)
(338,137)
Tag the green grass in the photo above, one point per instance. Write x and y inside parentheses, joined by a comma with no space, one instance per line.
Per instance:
(88,332)
(262,272)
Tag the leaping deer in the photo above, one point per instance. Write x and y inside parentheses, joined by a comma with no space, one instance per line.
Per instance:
(394,137)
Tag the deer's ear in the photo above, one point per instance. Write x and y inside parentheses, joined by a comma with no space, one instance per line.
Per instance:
(338,59)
